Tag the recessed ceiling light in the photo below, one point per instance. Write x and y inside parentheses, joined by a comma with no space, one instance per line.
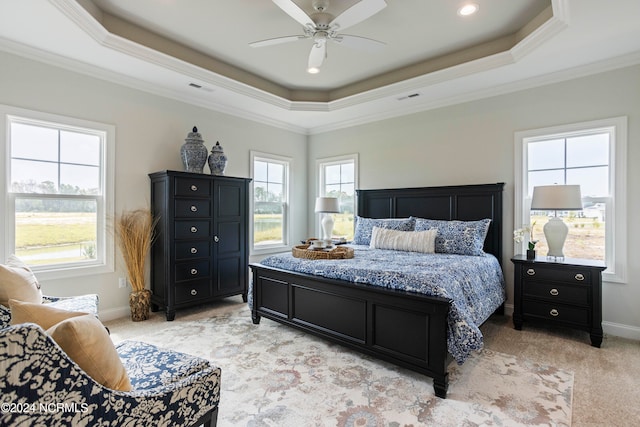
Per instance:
(313,70)
(468,9)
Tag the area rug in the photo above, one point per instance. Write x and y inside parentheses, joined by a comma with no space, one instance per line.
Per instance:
(273,375)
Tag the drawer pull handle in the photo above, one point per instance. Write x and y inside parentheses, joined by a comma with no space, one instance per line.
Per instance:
(194,187)
(194,208)
(194,292)
(215,239)
(580,277)
(531,272)
(194,271)
(554,292)
(194,229)
(194,251)
(554,312)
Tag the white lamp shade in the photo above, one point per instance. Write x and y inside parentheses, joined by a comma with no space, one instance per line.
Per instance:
(556,198)
(327,205)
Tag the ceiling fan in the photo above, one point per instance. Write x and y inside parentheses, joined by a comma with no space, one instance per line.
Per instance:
(322,26)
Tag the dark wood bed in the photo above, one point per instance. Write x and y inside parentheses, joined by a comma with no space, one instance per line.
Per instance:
(404,328)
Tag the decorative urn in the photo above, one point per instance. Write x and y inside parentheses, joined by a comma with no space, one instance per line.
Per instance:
(217,160)
(193,152)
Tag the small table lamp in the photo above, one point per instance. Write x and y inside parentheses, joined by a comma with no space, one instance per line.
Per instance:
(556,198)
(327,206)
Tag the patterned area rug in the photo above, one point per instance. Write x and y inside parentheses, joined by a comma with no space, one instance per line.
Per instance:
(273,375)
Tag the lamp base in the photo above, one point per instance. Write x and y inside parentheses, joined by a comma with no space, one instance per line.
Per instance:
(327,227)
(555,231)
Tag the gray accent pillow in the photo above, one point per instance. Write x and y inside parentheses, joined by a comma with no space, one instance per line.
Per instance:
(457,237)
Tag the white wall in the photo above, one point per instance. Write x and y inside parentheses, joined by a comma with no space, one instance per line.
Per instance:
(473,143)
(149,132)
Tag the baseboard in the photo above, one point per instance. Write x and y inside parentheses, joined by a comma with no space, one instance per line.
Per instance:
(620,330)
(114,313)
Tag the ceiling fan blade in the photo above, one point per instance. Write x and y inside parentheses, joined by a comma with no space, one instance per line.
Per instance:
(277,40)
(292,9)
(358,42)
(318,53)
(357,13)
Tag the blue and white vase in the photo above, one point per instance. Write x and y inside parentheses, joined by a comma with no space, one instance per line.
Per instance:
(217,160)
(193,152)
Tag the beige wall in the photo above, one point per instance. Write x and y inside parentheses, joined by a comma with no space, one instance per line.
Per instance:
(473,143)
(149,132)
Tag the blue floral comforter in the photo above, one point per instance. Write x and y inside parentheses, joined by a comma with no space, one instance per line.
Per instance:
(475,284)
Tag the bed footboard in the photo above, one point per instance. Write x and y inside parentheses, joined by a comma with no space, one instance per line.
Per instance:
(404,328)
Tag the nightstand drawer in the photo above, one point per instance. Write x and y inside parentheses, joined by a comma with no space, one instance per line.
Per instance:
(574,295)
(556,312)
(565,275)
(193,291)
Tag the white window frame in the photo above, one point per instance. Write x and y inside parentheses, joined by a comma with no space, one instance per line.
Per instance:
(287,162)
(105,204)
(321,164)
(616,230)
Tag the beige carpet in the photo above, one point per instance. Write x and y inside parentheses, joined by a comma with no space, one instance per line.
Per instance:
(276,376)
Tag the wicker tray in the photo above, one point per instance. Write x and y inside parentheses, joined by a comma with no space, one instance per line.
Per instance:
(338,252)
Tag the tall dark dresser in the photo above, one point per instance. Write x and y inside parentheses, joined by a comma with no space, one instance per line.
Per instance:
(201,249)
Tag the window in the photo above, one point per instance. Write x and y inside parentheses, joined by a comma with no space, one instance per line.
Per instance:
(337,178)
(591,155)
(270,201)
(58,193)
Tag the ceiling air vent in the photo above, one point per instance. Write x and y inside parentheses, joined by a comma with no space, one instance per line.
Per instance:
(197,86)
(413,95)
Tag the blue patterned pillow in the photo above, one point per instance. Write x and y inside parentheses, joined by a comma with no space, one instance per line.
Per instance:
(364,227)
(457,237)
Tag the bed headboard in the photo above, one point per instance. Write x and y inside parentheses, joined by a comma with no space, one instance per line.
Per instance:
(461,202)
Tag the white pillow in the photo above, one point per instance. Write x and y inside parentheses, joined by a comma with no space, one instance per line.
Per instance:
(411,241)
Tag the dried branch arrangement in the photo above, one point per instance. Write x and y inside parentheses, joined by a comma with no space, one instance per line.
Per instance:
(135,233)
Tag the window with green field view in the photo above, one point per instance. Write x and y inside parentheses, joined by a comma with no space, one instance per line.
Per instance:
(56,204)
(270,201)
(590,155)
(338,179)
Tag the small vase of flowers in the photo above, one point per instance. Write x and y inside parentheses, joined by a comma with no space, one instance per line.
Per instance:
(519,236)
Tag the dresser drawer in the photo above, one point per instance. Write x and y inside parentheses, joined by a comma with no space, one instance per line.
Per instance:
(195,249)
(192,187)
(193,291)
(566,275)
(555,292)
(192,229)
(192,208)
(192,270)
(556,312)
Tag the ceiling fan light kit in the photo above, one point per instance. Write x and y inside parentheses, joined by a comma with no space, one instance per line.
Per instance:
(322,27)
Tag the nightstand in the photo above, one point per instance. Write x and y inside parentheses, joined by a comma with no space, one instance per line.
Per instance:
(564,292)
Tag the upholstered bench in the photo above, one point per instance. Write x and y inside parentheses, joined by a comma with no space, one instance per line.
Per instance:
(41,385)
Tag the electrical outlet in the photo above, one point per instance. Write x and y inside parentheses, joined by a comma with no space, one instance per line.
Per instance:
(122,282)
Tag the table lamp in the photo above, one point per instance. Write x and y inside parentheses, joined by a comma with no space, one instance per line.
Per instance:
(327,206)
(556,198)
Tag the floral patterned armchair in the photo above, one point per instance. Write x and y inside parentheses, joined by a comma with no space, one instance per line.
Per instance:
(40,385)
